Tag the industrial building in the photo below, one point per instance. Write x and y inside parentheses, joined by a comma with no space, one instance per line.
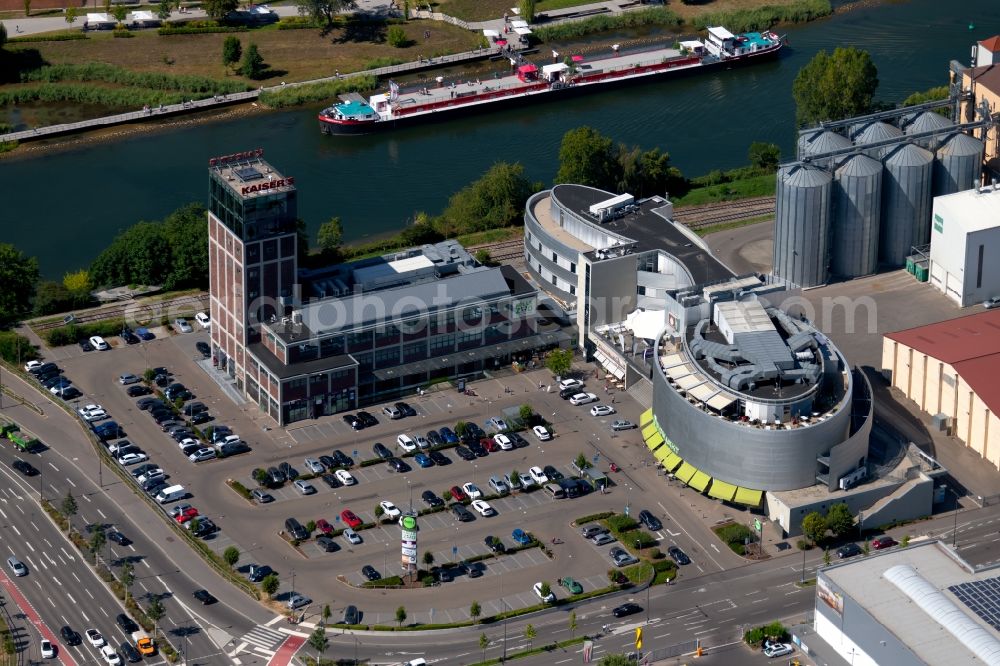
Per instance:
(980,83)
(859,195)
(950,369)
(965,245)
(303,344)
(921,604)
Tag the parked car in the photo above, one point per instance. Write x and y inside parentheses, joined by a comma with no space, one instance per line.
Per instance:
(132,458)
(483,508)
(458,494)
(182,325)
(406,409)
(602,538)
(495,545)
(621,557)
(471,490)
(423,460)
(519,441)
(498,424)
(602,410)
(202,454)
(203,320)
(397,465)
(650,521)
(327,544)
(368,419)
(582,399)
(570,383)
(345,477)
(144,334)
(463,514)
(392,412)
(137,390)
(590,531)
(430,499)
(883,542)
(342,459)
(324,526)
(620,425)
(351,536)
(538,476)
(257,572)
(542,433)
(464,453)
(678,555)
(848,550)
(98,343)
(520,537)
(353,421)
(478,449)
(571,585)
(448,435)
(406,443)
(297,601)
(350,518)
(568,393)
(439,458)
(382,451)
(778,650)
(369,572)
(390,509)
(304,487)
(92,413)
(351,615)
(296,529)
(548,598)
(504,442)
(314,466)
(290,472)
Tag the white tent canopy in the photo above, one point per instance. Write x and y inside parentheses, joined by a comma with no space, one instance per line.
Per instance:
(518,23)
(490,33)
(523,31)
(646,323)
(555,67)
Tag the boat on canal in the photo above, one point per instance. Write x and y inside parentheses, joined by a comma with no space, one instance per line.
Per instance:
(529,81)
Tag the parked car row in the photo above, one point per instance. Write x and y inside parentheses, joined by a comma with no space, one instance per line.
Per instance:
(51,377)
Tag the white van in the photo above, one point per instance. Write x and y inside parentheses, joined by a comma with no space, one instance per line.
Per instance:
(171,494)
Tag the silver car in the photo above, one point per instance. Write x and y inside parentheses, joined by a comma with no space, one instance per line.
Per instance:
(298,601)
(304,487)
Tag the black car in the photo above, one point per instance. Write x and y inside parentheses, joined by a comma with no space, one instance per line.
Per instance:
(43,368)
(568,393)
(368,419)
(352,615)
(330,480)
(650,521)
(24,468)
(275,476)
(464,453)
(397,465)
(848,550)
(258,572)
(495,545)
(70,393)
(327,544)
(478,449)
(439,458)
(406,409)
(626,609)
(130,338)
(220,432)
(443,575)
(430,499)
(201,417)
(179,434)
(353,421)
(463,514)
(435,438)
(327,461)
(343,460)
(161,380)
(69,636)
(204,596)
(193,408)
(121,540)
(519,442)
(370,573)
(161,371)
(296,529)
(203,347)
(137,390)
(381,451)
(86,346)
(475,570)
(131,655)
(148,403)
(205,528)
(680,557)
(57,379)
(46,376)
(154,486)
(290,472)
(553,473)
(126,623)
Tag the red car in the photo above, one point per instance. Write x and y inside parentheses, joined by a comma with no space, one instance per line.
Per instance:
(489,444)
(350,518)
(186,515)
(323,526)
(883,542)
(458,494)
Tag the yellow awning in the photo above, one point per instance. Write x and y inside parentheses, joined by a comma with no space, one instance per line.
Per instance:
(648,431)
(672,462)
(662,453)
(722,490)
(646,418)
(654,441)
(748,496)
(700,481)
(686,471)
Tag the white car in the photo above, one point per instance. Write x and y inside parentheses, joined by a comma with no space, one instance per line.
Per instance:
(98,343)
(390,509)
(503,441)
(182,325)
(48,652)
(777,650)
(542,433)
(110,655)
(538,476)
(314,466)
(127,379)
(546,598)
(92,413)
(570,383)
(132,459)
(472,490)
(203,454)
(406,443)
(483,507)
(602,410)
(344,477)
(352,536)
(31,365)
(94,638)
(203,319)
(583,398)
(187,441)
(155,473)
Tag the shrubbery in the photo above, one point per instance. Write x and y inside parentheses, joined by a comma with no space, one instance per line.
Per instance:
(71,334)
(744,20)
(316,92)
(636,19)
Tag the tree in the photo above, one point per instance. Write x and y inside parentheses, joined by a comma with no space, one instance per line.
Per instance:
(559,361)
(493,201)
(270,584)
(70,14)
(18,275)
(400,615)
(835,86)
(69,508)
(461,427)
(323,10)
(529,634)
(587,158)
(127,577)
(330,235)
(253,62)
(581,461)
(155,610)
(52,297)
(483,256)
(826,556)
(396,37)
(931,95)
(97,541)
(545,589)
(572,624)
(77,281)
(526,412)
(260,476)
(484,642)
(326,614)
(644,173)
(814,526)
(379,511)
(27,7)
(428,558)
(163,10)
(475,610)
(217,9)
(527,10)
(194,525)
(119,12)
(232,51)
(905,541)
(318,641)
(231,555)
(839,519)
(764,156)
(514,475)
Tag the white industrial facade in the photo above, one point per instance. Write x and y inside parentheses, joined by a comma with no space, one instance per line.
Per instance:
(965,245)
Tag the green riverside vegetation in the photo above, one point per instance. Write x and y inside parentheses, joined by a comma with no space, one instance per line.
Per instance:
(316,92)
(761,18)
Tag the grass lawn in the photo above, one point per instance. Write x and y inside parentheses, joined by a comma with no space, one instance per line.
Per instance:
(292,55)
(760,186)
(483,10)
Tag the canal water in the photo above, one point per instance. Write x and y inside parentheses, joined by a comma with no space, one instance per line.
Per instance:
(66,206)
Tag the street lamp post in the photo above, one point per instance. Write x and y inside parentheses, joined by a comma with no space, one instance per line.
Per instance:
(647,597)
(954,531)
(803,578)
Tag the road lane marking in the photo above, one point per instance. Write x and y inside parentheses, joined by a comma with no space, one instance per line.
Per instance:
(715,548)
(14,527)
(102,514)
(51,603)
(85,618)
(84,496)
(70,481)
(89,594)
(53,467)
(71,600)
(57,581)
(4,514)
(75,576)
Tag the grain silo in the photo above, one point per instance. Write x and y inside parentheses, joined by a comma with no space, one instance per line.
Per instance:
(926,122)
(801,225)
(857,204)
(875,132)
(958,164)
(906,202)
(824,142)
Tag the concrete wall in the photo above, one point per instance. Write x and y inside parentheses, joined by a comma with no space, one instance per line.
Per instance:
(540,263)
(612,292)
(914,499)
(955,260)
(790,516)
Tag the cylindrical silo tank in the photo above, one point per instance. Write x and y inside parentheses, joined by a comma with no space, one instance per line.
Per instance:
(802,224)
(823,142)
(857,205)
(906,202)
(959,163)
(805,138)
(875,132)
(926,122)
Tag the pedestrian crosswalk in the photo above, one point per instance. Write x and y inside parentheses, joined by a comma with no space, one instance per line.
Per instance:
(263,639)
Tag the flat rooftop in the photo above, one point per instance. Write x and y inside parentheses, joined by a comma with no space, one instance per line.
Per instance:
(649,229)
(249,175)
(977,210)
(919,608)
(543,213)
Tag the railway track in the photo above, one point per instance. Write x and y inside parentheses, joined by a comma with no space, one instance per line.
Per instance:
(698,217)
(133,311)
(502,251)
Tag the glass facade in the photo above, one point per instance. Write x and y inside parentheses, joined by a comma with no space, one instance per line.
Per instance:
(258,216)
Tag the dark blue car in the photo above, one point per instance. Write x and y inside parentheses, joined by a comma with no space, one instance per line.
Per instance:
(108,430)
(448,435)
(422,460)
(144,334)
(521,537)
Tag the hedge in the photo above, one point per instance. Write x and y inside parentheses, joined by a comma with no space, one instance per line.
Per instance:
(583,520)
(73,333)
(168,30)
(391,581)
(57,37)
